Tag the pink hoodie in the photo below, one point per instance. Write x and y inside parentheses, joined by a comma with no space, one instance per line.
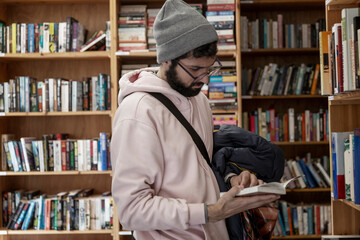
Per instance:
(161,181)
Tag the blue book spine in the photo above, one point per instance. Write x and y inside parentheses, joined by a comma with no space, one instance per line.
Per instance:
(31,37)
(268,124)
(28,216)
(334,183)
(103,91)
(313,173)
(310,220)
(215,79)
(307,173)
(219,13)
(356,164)
(285,217)
(103,151)
(282,224)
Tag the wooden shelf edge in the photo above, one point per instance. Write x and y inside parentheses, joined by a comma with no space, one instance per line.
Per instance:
(52,173)
(345,97)
(63,55)
(280,50)
(341,2)
(152,54)
(34,114)
(55,1)
(298,237)
(301,190)
(55,232)
(245,97)
(301,143)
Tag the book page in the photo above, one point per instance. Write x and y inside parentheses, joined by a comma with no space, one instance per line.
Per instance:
(267,188)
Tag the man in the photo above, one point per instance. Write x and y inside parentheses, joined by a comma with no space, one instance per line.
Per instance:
(162,186)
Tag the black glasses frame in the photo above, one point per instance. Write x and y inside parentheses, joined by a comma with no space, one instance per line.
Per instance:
(209,73)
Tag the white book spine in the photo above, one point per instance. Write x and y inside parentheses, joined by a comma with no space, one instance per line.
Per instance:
(300,219)
(80,144)
(291,113)
(41,155)
(46,38)
(298,173)
(87,157)
(57,155)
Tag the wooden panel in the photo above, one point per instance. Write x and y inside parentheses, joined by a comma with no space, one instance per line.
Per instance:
(69,69)
(281,106)
(58,183)
(62,237)
(344,117)
(79,127)
(298,15)
(345,219)
(92,16)
(302,150)
(321,197)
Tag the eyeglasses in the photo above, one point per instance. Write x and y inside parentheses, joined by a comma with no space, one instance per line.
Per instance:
(213,70)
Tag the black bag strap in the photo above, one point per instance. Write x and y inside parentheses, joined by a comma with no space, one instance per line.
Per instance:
(194,135)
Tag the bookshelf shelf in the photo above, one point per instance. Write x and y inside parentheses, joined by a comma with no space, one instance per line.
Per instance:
(51,173)
(282,97)
(55,232)
(301,143)
(342,2)
(54,1)
(299,237)
(281,2)
(80,113)
(95,55)
(152,54)
(281,51)
(307,190)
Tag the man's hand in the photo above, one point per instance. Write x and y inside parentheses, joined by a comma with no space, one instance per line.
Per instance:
(245,179)
(229,204)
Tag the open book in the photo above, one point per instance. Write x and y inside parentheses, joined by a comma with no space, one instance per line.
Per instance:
(267,188)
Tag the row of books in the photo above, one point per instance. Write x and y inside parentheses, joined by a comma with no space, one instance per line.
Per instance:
(54,153)
(269,33)
(339,54)
(26,94)
(273,79)
(279,127)
(313,171)
(43,37)
(302,219)
(345,147)
(135,25)
(74,210)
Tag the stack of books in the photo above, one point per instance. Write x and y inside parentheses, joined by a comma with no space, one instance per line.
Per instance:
(132,28)
(220,14)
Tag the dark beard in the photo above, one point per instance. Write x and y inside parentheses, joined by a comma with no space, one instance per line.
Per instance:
(175,83)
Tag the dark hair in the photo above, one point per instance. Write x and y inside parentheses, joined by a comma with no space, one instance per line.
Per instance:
(206,50)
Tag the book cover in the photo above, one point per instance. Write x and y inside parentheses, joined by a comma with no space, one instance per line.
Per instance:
(337,147)
(356,155)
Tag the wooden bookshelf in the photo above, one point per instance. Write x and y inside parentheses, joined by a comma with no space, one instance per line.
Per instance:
(88,124)
(344,115)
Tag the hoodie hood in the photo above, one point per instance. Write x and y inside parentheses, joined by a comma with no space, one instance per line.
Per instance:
(146,80)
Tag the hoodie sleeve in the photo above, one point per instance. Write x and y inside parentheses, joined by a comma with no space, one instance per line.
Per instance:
(138,164)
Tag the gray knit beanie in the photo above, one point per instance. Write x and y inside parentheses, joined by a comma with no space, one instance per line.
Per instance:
(178,29)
